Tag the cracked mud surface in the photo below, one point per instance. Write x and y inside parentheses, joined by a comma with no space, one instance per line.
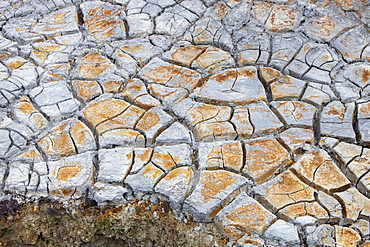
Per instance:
(249,117)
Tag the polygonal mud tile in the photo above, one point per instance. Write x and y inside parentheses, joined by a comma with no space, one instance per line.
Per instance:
(86,90)
(237,86)
(355,204)
(284,233)
(152,122)
(184,55)
(287,87)
(121,137)
(145,179)
(103,192)
(139,25)
(70,177)
(69,137)
(64,21)
(346,151)
(213,189)
(269,75)
(362,226)
(54,98)
(263,120)
(359,171)
(336,120)
(318,169)
(170,75)
(169,157)
(168,95)
(18,177)
(27,114)
(95,65)
(297,139)
(142,50)
(137,93)
(318,94)
(224,155)
(212,60)
(103,21)
(114,164)
(142,157)
(296,113)
(352,42)
(175,186)
(285,189)
(175,134)
(243,215)
(263,157)
(331,204)
(300,209)
(347,237)
(285,46)
(282,18)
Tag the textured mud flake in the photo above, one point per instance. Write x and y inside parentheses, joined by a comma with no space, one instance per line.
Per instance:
(169,157)
(287,87)
(336,120)
(171,75)
(103,20)
(346,151)
(103,110)
(346,237)
(61,21)
(300,209)
(355,204)
(152,122)
(145,179)
(185,56)
(263,158)
(86,90)
(127,119)
(282,18)
(175,134)
(214,131)
(321,171)
(114,164)
(284,190)
(269,75)
(70,176)
(175,185)
(213,60)
(241,121)
(359,171)
(331,204)
(93,65)
(224,155)
(263,119)
(242,216)
(363,116)
(26,113)
(318,94)
(67,138)
(213,189)
(297,139)
(58,142)
(121,137)
(296,113)
(168,95)
(238,86)
(137,93)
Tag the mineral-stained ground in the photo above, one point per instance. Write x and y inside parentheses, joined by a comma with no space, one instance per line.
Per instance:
(185,123)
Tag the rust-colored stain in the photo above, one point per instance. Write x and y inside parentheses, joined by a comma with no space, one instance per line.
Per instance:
(68,172)
(103,110)
(85,90)
(221,10)
(64,192)
(149,120)
(111,86)
(233,156)
(145,155)
(336,112)
(249,73)
(364,109)
(163,160)
(25,105)
(80,134)
(263,158)
(15,64)
(186,55)
(214,183)
(365,75)
(92,70)
(151,171)
(224,76)
(182,171)
(49,48)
